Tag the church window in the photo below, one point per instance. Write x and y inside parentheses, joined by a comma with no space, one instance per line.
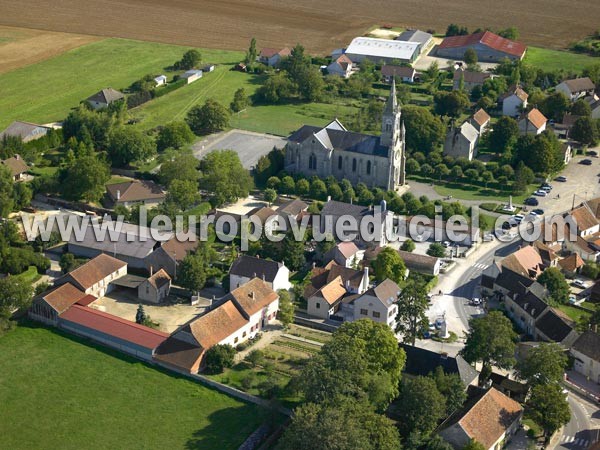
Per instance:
(354,165)
(368,167)
(312,162)
(388,127)
(340,163)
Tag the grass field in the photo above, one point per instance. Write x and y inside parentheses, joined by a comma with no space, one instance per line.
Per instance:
(551,60)
(574,313)
(56,392)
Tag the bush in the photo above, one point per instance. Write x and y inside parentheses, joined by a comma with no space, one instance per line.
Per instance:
(219,357)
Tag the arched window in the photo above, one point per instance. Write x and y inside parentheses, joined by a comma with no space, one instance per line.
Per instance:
(340,163)
(368,167)
(388,127)
(354,165)
(312,162)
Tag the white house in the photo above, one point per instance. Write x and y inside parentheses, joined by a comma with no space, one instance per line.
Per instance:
(379,303)
(586,353)
(532,122)
(514,101)
(461,142)
(274,273)
(480,120)
(342,67)
(406,74)
(191,75)
(95,276)
(577,88)
(160,80)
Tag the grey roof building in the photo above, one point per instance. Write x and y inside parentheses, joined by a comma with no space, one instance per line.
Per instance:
(421,37)
(105,97)
(27,131)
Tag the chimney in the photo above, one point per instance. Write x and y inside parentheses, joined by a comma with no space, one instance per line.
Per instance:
(252,296)
(328,198)
(118,194)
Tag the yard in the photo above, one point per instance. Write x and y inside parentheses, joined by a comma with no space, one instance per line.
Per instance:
(551,60)
(57,392)
(575,314)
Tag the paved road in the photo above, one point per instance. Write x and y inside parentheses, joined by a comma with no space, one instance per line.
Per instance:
(583,429)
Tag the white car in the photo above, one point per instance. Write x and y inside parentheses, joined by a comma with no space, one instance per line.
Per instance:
(580,284)
(540,193)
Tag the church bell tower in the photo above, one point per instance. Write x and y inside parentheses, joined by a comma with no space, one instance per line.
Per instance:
(390,123)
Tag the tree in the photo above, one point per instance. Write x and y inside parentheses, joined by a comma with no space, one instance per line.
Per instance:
(451,387)
(195,268)
(365,354)
(470,57)
(548,408)
(420,406)
(504,135)
(389,265)
(68,262)
(441,171)
(544,365)
(450,103)
(252,53)
(474,445)
(287,309)
(270,195)
(276,88)
(455,30)
(83,176)
(436,249)
(555,106)
(490,340)
(219,357)
(591,270)
(190,59)
(293,251)
(310,84)
(585,130)
(22,195)
(408,245)
(509,33)
(208,118)
(558,288)
(6,191)
(318,189)
(140,315)
(183,194)
(240,100)
(302,187)
(432,71)
(411,318)
(424,131)
(128,145)
(223,175)
(14,294)
(183,167)
(581,108)
(255,357)
(174,135)
(343,425)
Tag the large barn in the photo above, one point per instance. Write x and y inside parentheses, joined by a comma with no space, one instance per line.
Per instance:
(490,47)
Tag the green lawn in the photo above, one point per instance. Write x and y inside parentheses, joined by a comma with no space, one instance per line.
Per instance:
(551,60)
(31,275)
(574,313)
(56,393)
(46,91)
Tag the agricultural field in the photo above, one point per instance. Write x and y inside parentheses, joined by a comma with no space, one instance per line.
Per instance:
(551,60)
(230,23)
(58,392)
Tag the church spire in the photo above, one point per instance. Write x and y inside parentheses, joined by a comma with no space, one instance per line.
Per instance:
(391,106)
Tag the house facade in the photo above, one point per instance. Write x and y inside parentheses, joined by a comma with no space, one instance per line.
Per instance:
(156,288)
(246,267)
(379,303)
(335,151)
(461,142)
(272,57)
(341,67)
(586,354)
(514,101)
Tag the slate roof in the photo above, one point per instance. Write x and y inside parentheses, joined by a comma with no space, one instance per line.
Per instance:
(95,270)
(386,292)
(513,282)
(251,266)
(62,298)
(342,140)
(16,165)
(418,263)
(470,76)
(531,304)
(293,207)
(588,344)
(107,96)
(135,191)
(422,362)
(338,209)
(389,70)
(24,130)
(553,326)
(488,39)
(114,326)
(414,36)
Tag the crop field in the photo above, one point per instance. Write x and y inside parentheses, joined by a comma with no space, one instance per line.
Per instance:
(57,392)
(231,23)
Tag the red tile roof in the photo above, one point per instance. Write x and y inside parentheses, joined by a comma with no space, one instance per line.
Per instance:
(488,39)
(114,326)
(536,118)
(95,270)
(61,298)
(216,325)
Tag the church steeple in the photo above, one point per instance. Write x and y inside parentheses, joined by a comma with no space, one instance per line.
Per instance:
(390,124)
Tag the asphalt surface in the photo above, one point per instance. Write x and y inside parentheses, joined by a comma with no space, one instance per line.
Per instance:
(583,429)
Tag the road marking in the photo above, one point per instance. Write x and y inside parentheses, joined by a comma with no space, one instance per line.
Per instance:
(481,266)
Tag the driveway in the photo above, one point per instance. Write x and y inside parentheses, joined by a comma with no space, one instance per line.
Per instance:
(248,145)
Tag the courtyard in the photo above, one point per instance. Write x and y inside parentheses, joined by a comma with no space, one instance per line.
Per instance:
(248,145)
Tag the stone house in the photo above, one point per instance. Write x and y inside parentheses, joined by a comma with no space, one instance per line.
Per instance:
(156,288)
(246,267)
(514,101)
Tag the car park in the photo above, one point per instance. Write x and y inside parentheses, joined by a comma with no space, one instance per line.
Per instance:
(586,162)
(561,179)
(531,201)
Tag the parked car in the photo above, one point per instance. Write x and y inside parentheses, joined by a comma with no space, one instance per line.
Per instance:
(586,162)
(546,188)
(561,179)
(538,211)
(579,283)
(531,201)
(540,193)
(518,218)
(572,299)
(476,301)
(546,184)
(592,153)
(446,244)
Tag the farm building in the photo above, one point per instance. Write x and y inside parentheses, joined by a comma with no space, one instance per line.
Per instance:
(489,47)
(26,131)
(425,40)
(160,80)
(382,51)
(191,75)
(104,98)
(47,306)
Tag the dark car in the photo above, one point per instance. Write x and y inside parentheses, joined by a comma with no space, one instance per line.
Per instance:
(561,179)
(531,201)
(592,153)
(586,162)
(538,211)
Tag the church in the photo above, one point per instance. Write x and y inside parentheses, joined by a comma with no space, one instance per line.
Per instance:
(377,161)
